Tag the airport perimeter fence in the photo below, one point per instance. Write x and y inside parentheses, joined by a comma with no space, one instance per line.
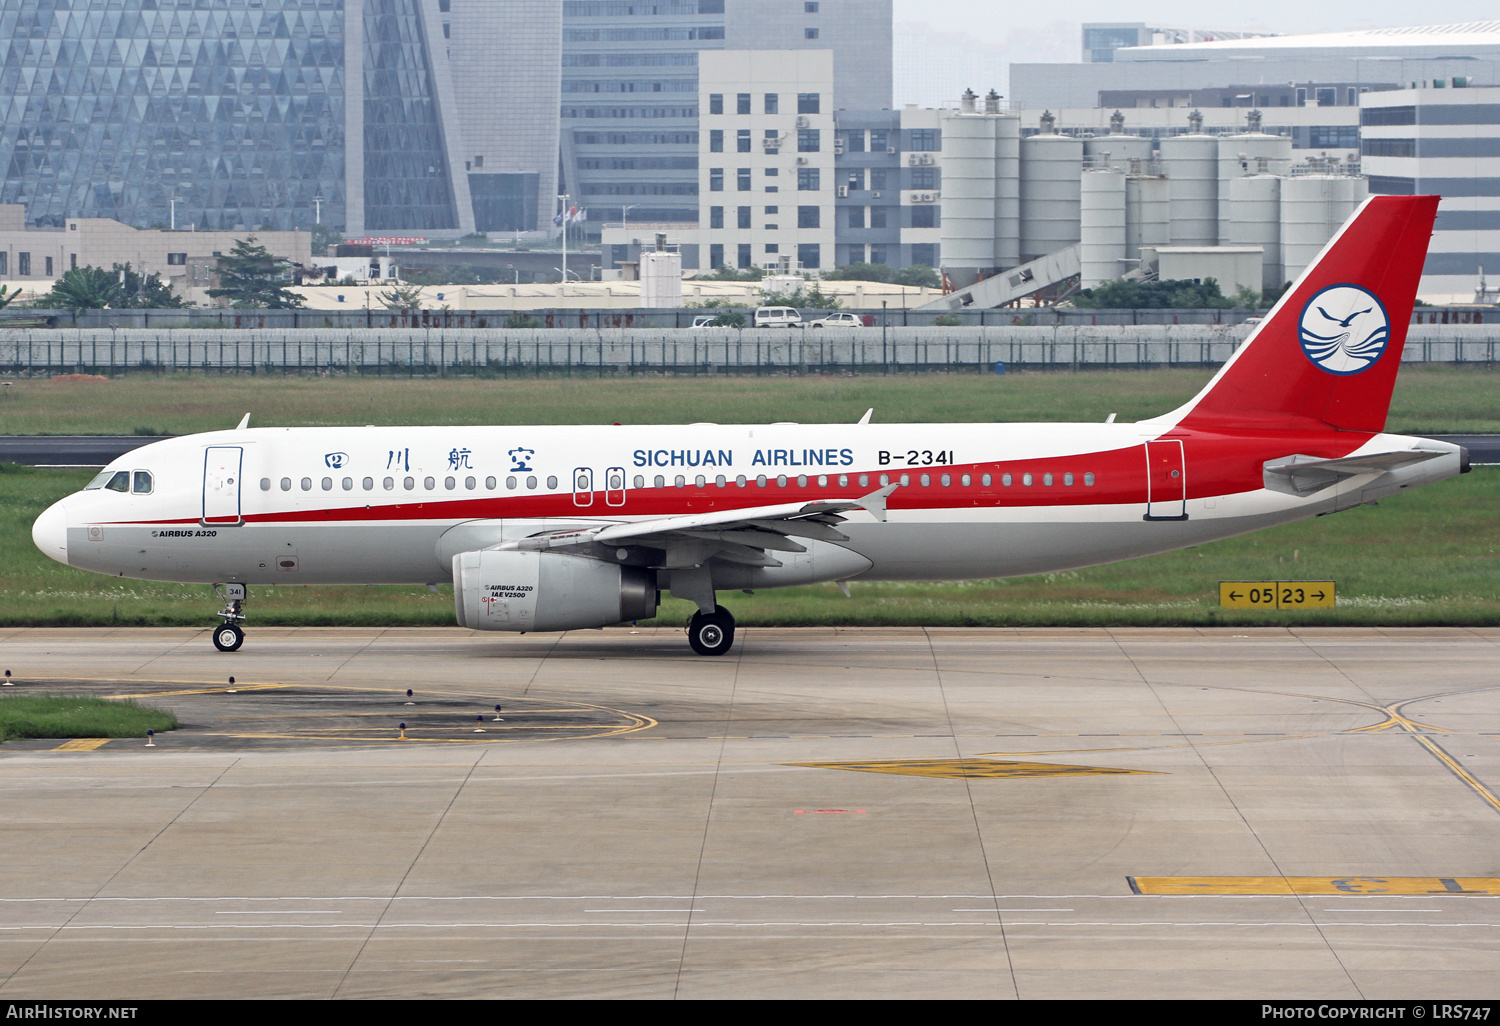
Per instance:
(626,352)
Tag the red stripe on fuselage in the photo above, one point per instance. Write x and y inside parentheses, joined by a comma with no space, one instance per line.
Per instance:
(1216,463)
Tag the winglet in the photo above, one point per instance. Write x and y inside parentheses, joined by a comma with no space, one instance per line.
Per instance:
(868,414)
(244,423)
(875,501)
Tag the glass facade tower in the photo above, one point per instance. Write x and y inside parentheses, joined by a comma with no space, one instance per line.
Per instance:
(234,110)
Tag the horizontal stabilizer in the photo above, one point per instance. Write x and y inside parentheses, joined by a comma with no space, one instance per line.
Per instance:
(1307,475)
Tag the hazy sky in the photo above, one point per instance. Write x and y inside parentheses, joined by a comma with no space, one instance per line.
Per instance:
(944,46)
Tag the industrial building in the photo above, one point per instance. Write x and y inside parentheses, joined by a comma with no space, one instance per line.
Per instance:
(365,115)
(1024,215)
(32,258)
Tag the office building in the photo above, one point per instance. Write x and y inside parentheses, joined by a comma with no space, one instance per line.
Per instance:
(1442,141)
(630,88)
(273,115)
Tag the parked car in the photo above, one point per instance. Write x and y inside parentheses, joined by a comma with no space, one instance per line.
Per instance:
(777,317)
(838,320)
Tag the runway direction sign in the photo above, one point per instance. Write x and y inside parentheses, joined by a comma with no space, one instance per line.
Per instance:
(1277,594)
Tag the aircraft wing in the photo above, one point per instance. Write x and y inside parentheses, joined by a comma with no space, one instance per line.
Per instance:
(1306,475)
(745,536)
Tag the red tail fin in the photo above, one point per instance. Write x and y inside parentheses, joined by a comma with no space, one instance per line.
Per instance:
(1327,355)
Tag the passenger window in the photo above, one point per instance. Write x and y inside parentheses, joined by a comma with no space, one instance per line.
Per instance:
(409,483)
(429,483)
(510,484)
(701,481)
(760,482)
(265,484)
(802,481)
(389,484)
(489,483)
(640,482)
(1047,480)
(286,484)
(720,481)
(1026,480)
(864,480)
(987,480)
(142,485)
(368,484)
(781,481)
(1007,480)
(967,480)
(1068,480)
(681,481)
(661,482)
(552,484)
(120,482)
(822,481)
(470,483)
(741,481)
(843,480)
(328,484)
(307,484)
(885,479)
(905,480)
(926,480)
(449,483)
(531,483)
(348,484)
(1088,480)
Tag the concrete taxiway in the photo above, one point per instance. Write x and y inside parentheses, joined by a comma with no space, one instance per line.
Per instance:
(834,813)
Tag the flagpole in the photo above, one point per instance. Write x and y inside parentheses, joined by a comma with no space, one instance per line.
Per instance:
(564,198)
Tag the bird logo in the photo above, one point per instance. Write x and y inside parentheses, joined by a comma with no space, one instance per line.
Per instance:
(1344,329)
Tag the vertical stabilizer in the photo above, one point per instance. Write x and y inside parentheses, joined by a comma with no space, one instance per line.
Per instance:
(1327,355)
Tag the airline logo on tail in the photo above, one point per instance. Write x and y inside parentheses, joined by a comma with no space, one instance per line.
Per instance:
(1344,329)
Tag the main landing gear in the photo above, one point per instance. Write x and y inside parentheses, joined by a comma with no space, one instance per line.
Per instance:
(711,634)
(229,635)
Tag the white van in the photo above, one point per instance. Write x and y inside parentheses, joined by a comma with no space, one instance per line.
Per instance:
(777,317)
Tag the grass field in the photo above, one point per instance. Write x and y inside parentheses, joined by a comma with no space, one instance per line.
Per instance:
(1431,556)
(1431,400)
(1427,557)
(76,716)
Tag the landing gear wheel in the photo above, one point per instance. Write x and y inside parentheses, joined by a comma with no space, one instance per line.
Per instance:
(228,637)
(712,634)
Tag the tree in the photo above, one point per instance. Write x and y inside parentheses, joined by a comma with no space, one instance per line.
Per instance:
(1185,294)
(84,288)
(148,293)
(403,296)
(919,276)
(862,272)
(251,278)
(6,298)
(323,237)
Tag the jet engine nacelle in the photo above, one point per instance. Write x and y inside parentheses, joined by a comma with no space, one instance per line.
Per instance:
(547,591)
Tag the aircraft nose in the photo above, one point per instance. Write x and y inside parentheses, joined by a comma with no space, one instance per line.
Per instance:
(50,532)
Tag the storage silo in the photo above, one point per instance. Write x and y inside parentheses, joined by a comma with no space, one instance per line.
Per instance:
(1191,164)
(1252,152)
(1313,208)
(1255,220)
(1147,213)
(1007,184)
(970,184)
(1050,169)
(1101,228)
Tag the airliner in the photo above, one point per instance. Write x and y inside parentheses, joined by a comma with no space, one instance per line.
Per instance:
(549,529)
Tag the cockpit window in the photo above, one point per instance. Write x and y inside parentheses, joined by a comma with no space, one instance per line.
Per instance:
(120,482)
(98,482)
(142,484)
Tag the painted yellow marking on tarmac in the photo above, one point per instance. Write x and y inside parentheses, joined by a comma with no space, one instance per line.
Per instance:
(1318,885)
(82,744)
(1458,771)
(960,769)
(222,689)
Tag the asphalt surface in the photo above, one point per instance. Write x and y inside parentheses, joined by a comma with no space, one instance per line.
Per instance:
(907,813)
(99,450)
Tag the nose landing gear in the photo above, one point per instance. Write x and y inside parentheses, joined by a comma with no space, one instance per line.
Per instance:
(229,636)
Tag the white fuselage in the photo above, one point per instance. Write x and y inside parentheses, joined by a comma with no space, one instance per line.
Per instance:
(389,505)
